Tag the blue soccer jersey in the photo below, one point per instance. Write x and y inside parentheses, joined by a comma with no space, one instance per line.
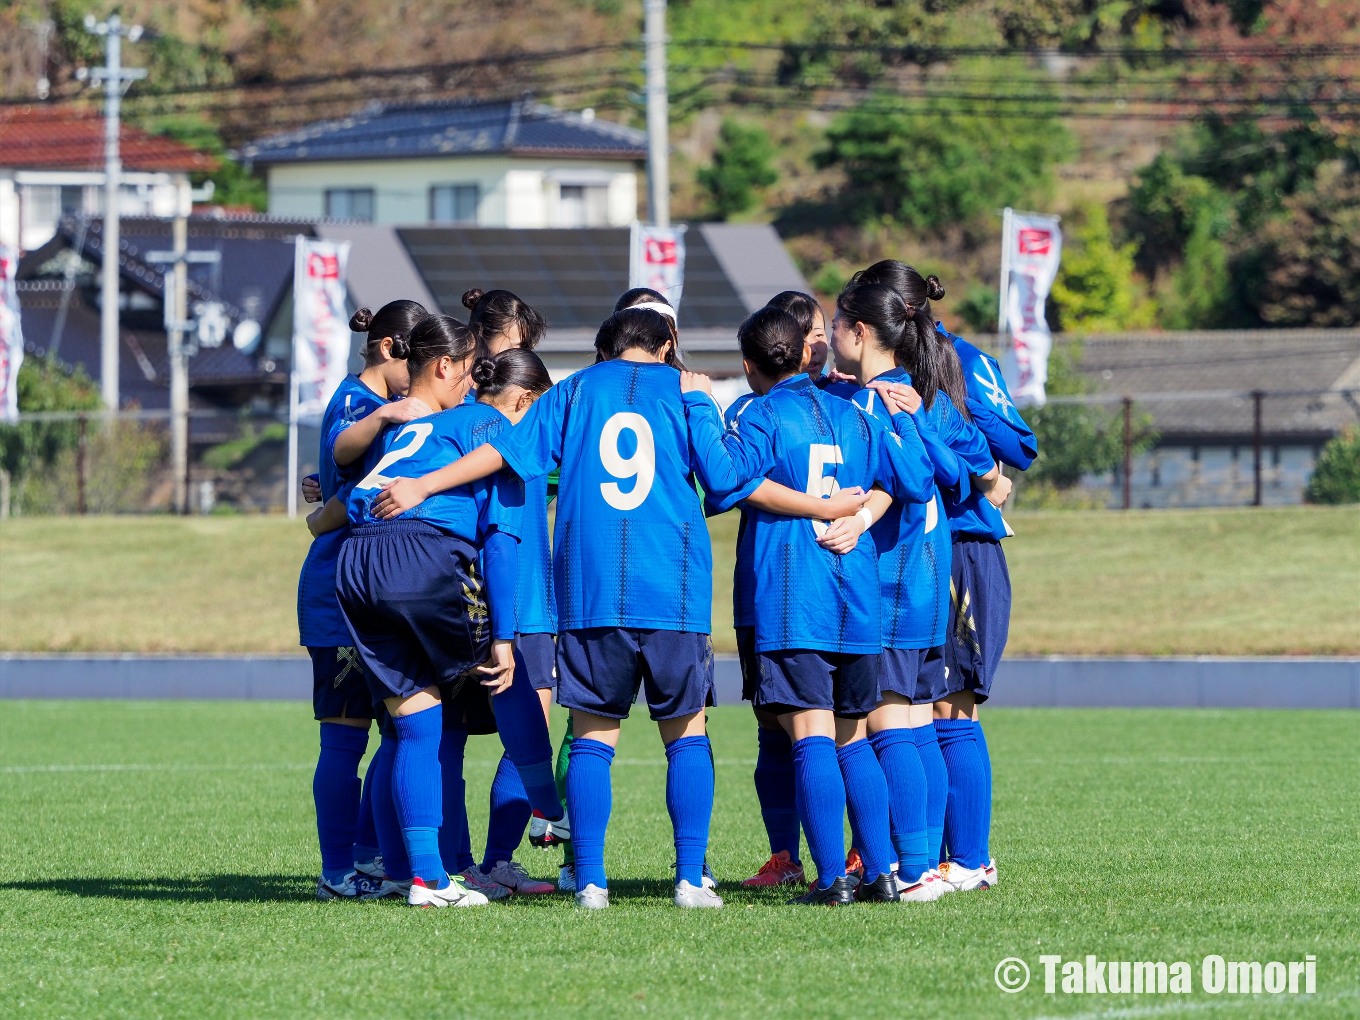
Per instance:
(630,544)
(418,447)
(991,408)
(743,576)
(913,539)
(805,596)
(535,604)
(320,621)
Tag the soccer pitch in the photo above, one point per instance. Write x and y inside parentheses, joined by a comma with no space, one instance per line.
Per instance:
(162,861)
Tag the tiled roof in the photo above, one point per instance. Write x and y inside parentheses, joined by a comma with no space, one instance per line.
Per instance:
(67,138)
(425,130)
(1210,375)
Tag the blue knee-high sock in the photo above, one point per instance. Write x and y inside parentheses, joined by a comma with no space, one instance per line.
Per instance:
(366,834)
(454,846)
(901,763)
(396,863)
(336,790)
(987,795)
(967,782)
(524,732)
(590,796)
(821,804)
(418,788)
(937,790)
(775,790)
(689,799)
(509,816)
(866,795)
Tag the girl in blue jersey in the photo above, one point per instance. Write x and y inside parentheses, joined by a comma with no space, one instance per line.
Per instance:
(632,571)
(821,681)
(340,698)
(413,599)
(980,585)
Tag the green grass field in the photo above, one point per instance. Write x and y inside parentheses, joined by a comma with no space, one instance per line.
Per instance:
(1147,582)
(160,862)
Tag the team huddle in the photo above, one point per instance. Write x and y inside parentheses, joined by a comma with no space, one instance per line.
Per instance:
(871,597)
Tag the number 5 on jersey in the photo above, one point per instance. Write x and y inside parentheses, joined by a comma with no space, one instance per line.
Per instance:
(641,465)
(820,484)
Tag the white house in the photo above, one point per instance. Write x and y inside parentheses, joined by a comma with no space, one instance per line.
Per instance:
(503,164)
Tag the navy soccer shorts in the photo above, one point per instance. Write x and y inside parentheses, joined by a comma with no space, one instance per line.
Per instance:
(794,679)
(750,665)
(600,669)
(540,659)
(339,690)
(979,614)
(917,674)
(415,604)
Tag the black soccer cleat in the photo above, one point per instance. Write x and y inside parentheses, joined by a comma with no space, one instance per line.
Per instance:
(883,889)
(840,893)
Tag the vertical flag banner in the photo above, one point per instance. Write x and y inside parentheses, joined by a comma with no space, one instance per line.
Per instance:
(1033,249)
(11,336)
(321,336)
(657,260)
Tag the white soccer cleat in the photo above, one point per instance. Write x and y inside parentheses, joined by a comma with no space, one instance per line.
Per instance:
(373,868)
(990,868)
(546,834)
(592,897)
(455,894)
(691,897)
(566,878)
(488,887)
(511,875)
(386,889)
(930,886)
(962,879)
(345,889)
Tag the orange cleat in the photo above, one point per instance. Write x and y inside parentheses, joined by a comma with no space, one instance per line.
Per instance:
(854,864)
(778,870)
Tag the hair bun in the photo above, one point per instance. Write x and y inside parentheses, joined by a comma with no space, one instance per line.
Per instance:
(471,297)
(934,288)
(401,347)
(361,320)
(483,371)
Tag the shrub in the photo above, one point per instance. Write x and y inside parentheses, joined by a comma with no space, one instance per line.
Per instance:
(1336,476)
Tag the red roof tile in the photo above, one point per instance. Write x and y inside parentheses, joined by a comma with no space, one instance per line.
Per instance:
(69,138)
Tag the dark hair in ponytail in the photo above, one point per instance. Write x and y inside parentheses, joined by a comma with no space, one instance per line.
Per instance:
(644,328)
(511,367)
(641,296)
(434,337)
(902,329)
(772,340)
(918,291)
(493,312)
(803,307)
(395,319)
(638,296)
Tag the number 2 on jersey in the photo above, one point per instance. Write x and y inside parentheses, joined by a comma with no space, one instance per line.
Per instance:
(641,465)
(419,432)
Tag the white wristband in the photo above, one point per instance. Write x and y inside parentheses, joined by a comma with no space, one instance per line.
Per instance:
(865,516)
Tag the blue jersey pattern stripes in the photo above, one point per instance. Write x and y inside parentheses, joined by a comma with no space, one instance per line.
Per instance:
(320,622)
(418,447)
(805,440)
(630,545)
(535,606)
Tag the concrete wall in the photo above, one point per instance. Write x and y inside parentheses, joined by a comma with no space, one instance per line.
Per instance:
(515,192)
(1211,475)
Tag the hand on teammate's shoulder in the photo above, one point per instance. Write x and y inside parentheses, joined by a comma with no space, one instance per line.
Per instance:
(691,382)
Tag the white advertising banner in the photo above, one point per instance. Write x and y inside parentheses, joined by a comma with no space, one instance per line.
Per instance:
(657,260)
(11,336)
(1033,250)
(321,335)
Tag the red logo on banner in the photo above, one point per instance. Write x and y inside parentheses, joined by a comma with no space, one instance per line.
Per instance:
(660,252)
(1035,242)
(326,267)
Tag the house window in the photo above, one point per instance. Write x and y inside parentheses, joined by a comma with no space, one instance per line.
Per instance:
(582,205)
(454,203)
(349,204)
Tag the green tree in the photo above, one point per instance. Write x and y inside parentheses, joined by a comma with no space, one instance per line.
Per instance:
(1336,476)
(741,167)
(43,385)
(1096,289)
(933,168)
(233,183)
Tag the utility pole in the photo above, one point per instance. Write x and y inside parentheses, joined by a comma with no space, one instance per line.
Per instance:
(114,74)
(658,113)
(1128,452)
(1257,397)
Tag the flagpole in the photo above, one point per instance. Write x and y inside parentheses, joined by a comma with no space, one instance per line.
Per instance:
(292,444)
(1005,287)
